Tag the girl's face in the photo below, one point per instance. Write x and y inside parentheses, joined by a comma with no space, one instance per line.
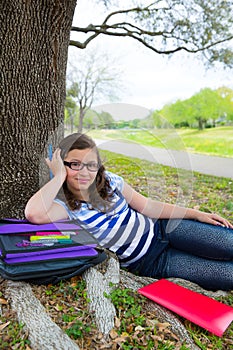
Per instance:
(78,181)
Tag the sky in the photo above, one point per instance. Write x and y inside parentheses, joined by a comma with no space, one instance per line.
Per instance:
(150,80)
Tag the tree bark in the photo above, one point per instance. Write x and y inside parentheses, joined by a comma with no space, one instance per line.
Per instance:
(98,283)
(34,40)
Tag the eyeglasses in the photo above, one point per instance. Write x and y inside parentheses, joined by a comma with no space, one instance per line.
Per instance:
(91,166)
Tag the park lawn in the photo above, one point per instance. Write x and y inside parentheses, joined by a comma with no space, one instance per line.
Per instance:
(213,141)
(67,302)
(176,186)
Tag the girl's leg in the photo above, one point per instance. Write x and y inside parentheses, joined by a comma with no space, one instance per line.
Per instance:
(193,251)
(209,274)
(199,239)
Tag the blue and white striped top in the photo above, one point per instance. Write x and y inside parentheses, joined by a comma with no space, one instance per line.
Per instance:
(122,230)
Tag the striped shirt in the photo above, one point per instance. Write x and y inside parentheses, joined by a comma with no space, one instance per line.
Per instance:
(122,230)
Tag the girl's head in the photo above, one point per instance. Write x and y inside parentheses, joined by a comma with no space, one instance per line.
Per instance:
(86,178)
(78,141)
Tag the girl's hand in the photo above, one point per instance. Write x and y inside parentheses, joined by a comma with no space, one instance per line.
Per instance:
(56,164)
(214,219)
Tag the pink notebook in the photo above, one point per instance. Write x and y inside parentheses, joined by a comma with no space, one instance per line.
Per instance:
(200,309)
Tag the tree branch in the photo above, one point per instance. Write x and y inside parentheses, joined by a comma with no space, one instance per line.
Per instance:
(177,28)
(107,30)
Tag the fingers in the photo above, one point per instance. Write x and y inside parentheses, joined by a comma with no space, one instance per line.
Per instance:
(227,224)
(57,154)
(215,219)
(218,220)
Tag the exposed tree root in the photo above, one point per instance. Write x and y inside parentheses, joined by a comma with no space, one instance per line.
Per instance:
(45,334)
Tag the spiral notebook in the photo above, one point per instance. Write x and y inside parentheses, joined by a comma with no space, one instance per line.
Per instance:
(197,308)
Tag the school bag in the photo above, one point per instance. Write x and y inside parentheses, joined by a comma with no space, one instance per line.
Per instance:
(46,253)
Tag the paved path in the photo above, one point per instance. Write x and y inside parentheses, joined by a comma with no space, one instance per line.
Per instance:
(210,165)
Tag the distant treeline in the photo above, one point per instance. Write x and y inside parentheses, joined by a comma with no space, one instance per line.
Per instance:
(207,108)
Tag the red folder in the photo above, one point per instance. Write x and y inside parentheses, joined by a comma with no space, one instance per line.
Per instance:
(200,309)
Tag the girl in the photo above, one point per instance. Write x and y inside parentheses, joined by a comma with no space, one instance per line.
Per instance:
(150,238)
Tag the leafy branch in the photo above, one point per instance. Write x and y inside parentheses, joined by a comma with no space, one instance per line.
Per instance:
(167,27)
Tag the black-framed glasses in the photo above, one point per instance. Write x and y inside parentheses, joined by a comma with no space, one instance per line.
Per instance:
(91,166)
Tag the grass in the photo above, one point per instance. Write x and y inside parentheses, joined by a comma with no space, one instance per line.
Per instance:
(216,141)
(174,185)
(12,333)
(67,303)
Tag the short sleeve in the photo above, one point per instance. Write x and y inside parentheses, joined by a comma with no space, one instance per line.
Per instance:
(63,204)
(116,181)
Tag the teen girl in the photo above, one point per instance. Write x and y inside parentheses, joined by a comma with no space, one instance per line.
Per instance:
(150,238)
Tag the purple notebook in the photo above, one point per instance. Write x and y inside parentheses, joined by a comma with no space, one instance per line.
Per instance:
(58,254)
(15,232)
(12,226)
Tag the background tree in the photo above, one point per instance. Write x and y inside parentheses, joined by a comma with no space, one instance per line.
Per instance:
(71,109)
(227,96)
(95,77)
(203,108)
(177,114)
(92,120)
(106,120)
(34,40)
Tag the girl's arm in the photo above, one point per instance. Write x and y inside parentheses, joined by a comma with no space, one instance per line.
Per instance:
(41,207)
(160,210)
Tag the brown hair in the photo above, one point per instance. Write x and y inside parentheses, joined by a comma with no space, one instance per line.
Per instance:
(100,191)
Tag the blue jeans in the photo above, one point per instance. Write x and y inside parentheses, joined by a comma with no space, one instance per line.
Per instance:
(191,250)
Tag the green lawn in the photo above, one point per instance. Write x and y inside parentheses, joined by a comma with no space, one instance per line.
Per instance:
(215,141)
(173,185)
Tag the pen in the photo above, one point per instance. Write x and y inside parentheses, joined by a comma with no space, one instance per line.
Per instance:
(52,241)
(57,237)
(50,155)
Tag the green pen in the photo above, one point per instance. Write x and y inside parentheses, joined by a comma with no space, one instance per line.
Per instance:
(46,241)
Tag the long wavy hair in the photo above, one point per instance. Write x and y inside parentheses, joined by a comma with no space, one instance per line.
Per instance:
(100,192)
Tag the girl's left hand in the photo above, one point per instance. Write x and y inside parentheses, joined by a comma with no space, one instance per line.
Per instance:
(214,219)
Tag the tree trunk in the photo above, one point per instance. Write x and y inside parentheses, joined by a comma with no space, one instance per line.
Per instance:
(34,40)
(81,117)
(201,123)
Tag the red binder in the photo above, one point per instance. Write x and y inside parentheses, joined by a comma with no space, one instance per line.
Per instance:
(200,309)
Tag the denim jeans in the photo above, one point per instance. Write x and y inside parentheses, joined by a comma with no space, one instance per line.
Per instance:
(191,250)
